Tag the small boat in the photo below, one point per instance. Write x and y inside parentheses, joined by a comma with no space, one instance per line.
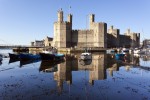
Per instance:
(14,56)
(1,57)
(50,50)
(47,56)
(110,51)
(85,56)
(13,60)
(125,50)
(29,56)
(138,51)
(59,56)
(54,57)
(119,56)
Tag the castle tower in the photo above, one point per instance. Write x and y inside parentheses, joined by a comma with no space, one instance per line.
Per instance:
(91,20)
(128,32)
(60,15)
(62,31)
(111,27)
(113,37)
(70,18)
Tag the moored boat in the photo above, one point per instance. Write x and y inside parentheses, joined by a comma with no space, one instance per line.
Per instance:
(47,56)
(86,56)
(119,56)
(29,56)
(53,57)
(110,51)
(138,51)
(125,50)
(13,56)
(59,56)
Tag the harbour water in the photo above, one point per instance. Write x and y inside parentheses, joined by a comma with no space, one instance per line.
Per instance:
(103,78)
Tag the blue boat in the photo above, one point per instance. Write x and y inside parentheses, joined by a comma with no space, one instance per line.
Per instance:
(13,56)
(29,56)
(119,56)
(54,57)
(59,56)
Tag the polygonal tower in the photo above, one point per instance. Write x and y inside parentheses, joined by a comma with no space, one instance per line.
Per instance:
(62,31)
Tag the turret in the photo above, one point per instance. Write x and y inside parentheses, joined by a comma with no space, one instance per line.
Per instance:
(92,18)
(70,18)
(128,31)
(111,27)
(60,15)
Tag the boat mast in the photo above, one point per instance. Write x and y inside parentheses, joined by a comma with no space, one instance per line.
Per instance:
(86,31)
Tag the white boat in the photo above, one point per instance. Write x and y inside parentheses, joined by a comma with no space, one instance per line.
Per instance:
(110,51)
(1,57)
(125,50)
(138,51)
(86,56)
(50,50)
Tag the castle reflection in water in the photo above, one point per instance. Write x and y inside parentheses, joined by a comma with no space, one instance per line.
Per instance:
(97,67)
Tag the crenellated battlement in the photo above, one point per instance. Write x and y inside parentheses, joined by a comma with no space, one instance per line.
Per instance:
(75,30)
(64,22)
(80,30)
(67,22)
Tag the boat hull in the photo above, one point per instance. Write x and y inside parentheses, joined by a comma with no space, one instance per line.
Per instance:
(14,56)
(53,57)
(45,56)
(29,57)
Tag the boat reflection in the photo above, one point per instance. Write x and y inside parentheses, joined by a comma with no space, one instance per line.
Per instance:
(25,62)
(49,66)
(85,62)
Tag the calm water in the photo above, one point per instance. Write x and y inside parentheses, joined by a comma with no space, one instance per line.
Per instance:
(103,78)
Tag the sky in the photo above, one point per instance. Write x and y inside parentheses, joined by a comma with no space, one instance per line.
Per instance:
(23,21)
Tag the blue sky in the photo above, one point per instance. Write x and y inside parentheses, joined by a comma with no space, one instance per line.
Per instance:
(23,21)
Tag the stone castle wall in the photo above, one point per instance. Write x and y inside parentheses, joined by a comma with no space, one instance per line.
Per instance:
(96,36)
(65,37)
(82,38)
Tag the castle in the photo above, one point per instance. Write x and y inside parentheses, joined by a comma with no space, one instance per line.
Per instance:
(65,36)
(97,36)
